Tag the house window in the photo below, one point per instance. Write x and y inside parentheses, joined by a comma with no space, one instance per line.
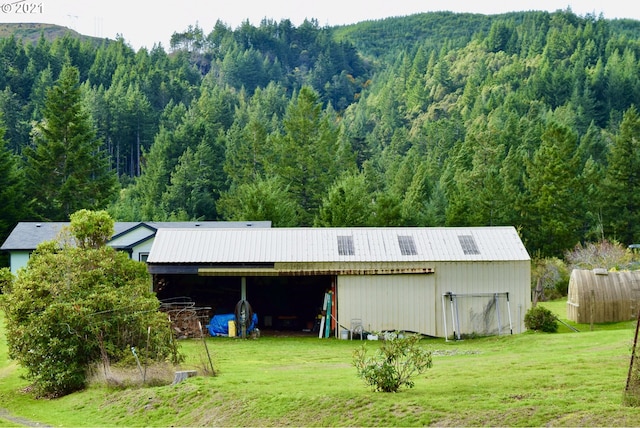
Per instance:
(468,244)
(407,245)
(345,246)
(143,257)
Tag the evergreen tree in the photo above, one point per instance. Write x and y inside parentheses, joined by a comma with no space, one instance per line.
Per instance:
(12,191)
(14,120)
(65,166)
(307,153)
(554,216)
(262,199)
(195,185)
(417,94)
(247,150)
(386,203)
(621,184)
(415,208)
(152,183)
(478,179)
(43,82)
(347,203)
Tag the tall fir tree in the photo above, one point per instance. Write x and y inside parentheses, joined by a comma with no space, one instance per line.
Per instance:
(262,199)
(308,155)
(66,168)
(247,151)
(12,191)
(555,213)
(196,183)
(347,204)
(620,189)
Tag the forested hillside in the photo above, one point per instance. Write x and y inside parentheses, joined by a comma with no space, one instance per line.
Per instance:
(439,119)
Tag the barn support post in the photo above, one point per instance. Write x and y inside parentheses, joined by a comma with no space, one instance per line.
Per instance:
(243,288)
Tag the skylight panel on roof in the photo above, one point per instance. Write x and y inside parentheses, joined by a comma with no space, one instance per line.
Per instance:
(407,245)
(468,244)
(345,246)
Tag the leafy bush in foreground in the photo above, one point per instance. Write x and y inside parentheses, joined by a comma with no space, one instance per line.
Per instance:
(5,278)
(394,364)
(73,307)
(541,319)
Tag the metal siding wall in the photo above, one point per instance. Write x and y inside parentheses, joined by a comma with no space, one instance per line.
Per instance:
(486,277)
(388,302)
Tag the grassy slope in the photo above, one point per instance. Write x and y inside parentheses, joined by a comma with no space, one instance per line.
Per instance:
(529,379)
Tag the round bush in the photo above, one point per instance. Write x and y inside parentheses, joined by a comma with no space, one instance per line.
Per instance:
(541,319)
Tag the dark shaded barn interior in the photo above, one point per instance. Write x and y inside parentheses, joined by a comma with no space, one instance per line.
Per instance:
(282,303)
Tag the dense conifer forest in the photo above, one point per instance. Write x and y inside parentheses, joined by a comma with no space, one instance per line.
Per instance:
(439,119)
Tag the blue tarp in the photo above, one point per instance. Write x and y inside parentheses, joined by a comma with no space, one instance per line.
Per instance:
(219,324)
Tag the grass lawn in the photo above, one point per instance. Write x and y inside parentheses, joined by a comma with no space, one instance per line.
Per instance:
(531,379)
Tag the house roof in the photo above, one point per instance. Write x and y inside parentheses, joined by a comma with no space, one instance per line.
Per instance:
(282,245)
(27,235)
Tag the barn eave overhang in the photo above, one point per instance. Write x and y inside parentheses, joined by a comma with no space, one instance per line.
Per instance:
(194,268)
(291,268)
(289,271)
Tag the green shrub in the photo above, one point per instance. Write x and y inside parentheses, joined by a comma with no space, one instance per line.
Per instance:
(394,364)
(6,278)
(541,319)
(72,307)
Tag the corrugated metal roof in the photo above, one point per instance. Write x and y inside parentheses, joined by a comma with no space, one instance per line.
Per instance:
(278,245)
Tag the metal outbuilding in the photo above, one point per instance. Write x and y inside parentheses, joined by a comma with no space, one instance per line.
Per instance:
(435,281)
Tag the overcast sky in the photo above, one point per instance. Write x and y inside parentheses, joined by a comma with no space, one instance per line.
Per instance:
(145,23)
